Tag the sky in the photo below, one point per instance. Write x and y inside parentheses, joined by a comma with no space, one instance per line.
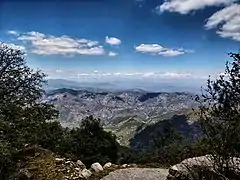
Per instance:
(104,40)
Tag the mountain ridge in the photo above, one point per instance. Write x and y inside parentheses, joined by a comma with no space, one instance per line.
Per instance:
(75,105)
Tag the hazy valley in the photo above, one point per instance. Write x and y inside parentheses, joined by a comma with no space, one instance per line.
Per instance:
(126,113)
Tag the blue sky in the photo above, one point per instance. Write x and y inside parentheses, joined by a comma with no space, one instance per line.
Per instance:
(123,38)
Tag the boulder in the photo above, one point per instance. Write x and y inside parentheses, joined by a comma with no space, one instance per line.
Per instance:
(86,173)
(96,167)
(107,165)
(192,166)
(80,164)
(124,166)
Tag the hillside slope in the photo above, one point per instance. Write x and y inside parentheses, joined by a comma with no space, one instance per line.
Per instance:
(109,106)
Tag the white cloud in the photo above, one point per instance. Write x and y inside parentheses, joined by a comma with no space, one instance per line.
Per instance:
(63,45)
(171,52)
(167,75)
(137,74)
(149,48)
(111,53)
(186,6)
(13,32)
(113,40)
(156,49)
(14,46)
(92,43)
(227,21)
(177,75)
(125,75)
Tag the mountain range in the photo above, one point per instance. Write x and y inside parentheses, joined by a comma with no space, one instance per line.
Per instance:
(128,113)
(125,84)
(110,106)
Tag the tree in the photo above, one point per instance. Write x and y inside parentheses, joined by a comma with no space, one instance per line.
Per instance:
(219,114)
(19,84)
(91,143)
(20,90)
(22,115)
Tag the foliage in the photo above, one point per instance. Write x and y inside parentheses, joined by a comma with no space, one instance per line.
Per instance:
(220,116)
(25,120)
(166,147)
(5,157)
(91,143)
(22,116)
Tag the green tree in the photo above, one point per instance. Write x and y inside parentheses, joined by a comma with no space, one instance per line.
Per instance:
(91,143)
(22,115)
(220,117)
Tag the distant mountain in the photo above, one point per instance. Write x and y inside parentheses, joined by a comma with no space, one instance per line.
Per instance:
(54,84)
(123,85)
(75,105)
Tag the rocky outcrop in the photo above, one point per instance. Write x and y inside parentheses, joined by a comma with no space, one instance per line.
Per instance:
(182,170)
(138,174)
(190,168)
(40,163)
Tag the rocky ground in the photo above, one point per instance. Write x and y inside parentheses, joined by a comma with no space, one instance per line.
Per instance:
(36,163)
(138,174)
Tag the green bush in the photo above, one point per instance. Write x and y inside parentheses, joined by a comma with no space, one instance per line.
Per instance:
(220,117)
(91,143)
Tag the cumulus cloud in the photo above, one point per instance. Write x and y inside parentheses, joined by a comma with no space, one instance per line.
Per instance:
(227,21)
(14,46)
(111,53)
(157,49)
(149,48)
(186,6)
(112,40)
(43,44)
(13,32)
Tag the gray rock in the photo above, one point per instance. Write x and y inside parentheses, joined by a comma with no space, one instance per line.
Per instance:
(107,165)
(181,170)
(80,164)
(96,167)
(187,168)
(124,166)
(86,173)
(138,174)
